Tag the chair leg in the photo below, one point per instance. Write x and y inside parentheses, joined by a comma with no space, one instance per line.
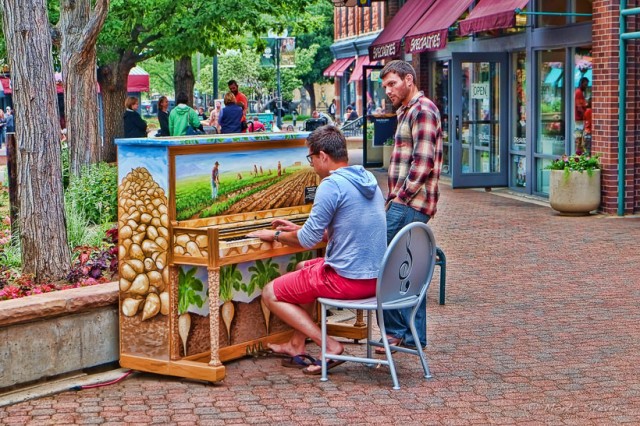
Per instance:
(419,349)
(442,262)
(323,347)
(387,349)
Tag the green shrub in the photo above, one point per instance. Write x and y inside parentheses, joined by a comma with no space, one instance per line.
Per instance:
(95,193)
(79,231)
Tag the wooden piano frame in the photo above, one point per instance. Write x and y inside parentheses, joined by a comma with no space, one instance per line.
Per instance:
(150,335)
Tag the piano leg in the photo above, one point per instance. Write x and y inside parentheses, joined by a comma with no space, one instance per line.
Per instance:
(213,279)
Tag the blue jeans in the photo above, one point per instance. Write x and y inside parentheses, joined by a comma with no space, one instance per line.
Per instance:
(396,322)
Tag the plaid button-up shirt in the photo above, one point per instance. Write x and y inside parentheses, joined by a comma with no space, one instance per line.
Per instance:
(416,161)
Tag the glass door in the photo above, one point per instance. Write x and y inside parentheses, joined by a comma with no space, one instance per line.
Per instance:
(480,114)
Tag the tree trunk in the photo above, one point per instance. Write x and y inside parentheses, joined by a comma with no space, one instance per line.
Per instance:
(42,222)
(312,95)
(80,31)
(183,78)
(113,86)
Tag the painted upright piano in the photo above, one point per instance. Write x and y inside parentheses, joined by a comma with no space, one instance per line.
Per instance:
(190,280)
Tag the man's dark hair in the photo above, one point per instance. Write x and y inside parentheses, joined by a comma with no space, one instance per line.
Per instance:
(182,98)
(232,82)
(399,67)
(583,80)
(330,140)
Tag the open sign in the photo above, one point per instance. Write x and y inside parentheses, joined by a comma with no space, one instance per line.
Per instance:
(479,90)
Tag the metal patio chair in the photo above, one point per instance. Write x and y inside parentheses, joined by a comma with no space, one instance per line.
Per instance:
(403,281)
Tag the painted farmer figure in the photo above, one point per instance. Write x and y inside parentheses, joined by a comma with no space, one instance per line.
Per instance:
(414,171)
(215,181)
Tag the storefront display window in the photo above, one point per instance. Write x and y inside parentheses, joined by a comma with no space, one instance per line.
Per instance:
(519,140)
(582,79)
(551,101)
(519,128)
(441,99)
(542,181)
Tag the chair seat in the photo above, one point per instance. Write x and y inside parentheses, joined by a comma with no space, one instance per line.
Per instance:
(370,303)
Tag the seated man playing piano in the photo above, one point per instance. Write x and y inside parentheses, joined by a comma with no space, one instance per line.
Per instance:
(348,212)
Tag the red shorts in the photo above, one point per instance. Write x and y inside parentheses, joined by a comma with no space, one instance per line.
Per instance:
(315,280)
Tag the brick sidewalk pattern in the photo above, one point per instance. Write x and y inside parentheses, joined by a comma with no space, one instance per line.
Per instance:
(541,326)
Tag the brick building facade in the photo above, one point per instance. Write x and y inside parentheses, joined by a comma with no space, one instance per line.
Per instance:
(545,55)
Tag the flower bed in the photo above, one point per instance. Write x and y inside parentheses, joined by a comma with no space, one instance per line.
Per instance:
(91,265)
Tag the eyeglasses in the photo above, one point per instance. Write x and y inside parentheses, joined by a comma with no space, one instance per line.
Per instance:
(309,157)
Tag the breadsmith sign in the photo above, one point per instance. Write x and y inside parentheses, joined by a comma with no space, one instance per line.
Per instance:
(424,42)
(387,50)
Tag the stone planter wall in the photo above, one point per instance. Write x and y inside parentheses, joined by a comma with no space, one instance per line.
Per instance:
(577,194)
(55,333)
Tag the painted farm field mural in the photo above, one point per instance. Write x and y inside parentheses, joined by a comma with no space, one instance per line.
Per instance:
(225,183)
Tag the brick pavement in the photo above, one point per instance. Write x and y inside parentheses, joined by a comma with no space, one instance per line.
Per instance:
(540,327)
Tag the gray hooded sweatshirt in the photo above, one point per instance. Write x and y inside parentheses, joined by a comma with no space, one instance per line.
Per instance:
(350,206)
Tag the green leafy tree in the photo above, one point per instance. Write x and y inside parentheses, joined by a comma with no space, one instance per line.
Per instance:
(137,31)
(314,48)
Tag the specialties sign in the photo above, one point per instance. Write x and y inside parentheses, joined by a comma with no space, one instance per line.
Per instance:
(424,42)
(382,51)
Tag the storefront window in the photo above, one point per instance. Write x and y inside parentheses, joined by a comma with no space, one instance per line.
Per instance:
(584,6)
(582,79)
(519,140)
(551,118)
(441,99)
(519,129)
(542,181)
(563,6)
(552,6)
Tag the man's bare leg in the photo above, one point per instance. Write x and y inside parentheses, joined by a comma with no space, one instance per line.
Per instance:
(300,319)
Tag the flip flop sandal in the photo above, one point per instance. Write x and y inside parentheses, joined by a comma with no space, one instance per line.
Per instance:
(298,361)
(393,341)
(318,363)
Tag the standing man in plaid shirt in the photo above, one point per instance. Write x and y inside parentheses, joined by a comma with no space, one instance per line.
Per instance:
(414,171)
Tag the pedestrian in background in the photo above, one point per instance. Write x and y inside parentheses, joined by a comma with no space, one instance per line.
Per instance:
(183,119)
(163,116)
(241,99)
(10,127)
(231,116)
(414,171)
(134,125)
(332,110)
(3,128)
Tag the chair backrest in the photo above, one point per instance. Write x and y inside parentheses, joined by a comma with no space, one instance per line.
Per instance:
(408,264)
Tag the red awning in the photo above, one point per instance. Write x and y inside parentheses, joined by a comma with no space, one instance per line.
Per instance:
(327,71)
(338,65)
(138,81)
(343,67)
(387,44)
(431,31)
(356,75)
(6,85)
(491,15)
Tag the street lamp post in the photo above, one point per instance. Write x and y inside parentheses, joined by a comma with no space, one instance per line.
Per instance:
(278,45)
(278,87)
